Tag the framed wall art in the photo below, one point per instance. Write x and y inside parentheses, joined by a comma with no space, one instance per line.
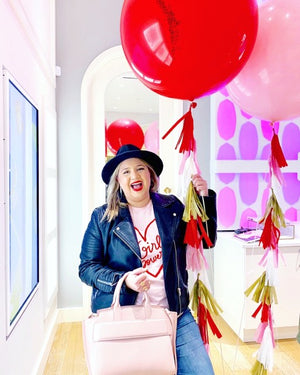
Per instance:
(22,199)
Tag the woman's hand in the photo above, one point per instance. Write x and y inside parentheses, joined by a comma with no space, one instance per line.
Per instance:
(137,280)
(200,184)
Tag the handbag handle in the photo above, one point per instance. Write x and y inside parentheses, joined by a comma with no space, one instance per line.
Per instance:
(116,298)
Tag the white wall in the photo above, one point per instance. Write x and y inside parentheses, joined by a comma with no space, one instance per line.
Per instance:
(84,30)
(27,51)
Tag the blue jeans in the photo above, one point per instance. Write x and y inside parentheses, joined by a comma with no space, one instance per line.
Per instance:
(192,357)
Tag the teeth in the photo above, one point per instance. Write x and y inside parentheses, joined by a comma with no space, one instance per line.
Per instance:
(137,185)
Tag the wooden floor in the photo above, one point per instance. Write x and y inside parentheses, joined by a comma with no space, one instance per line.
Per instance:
(229,355)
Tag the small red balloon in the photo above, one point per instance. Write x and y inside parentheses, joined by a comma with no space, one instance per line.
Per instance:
(122,132)
(187,49)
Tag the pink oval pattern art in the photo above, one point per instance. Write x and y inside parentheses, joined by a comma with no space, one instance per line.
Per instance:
(227,207)
(226,119)
(248,141)
(291,141)
(242,136)
(291,214)
(226,152)
(291,188)
(248,187)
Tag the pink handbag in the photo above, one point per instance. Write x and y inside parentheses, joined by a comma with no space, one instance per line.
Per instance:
(131,340)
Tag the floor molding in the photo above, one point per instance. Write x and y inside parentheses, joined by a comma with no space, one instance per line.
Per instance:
(74,314)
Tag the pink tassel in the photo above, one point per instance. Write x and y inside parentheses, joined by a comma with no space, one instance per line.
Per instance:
(195,259)
(275,251)
(275,170)
(260,332)
(266,321)
(271,328)
(185,157)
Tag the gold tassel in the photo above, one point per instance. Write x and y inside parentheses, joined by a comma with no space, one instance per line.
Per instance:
(258,284)
(193,206)
(262,292)
(200,291)
(277,214)
(258,369)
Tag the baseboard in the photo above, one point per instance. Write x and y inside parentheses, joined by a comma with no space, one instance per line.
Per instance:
(75,314)
(280,333)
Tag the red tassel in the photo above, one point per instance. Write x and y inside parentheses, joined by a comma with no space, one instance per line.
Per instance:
(213,326)
(270,234)
(277,152)
(257,311)
(204,234)
(205,318)
(186,139)
(265,313)
(202,322)
(192,236)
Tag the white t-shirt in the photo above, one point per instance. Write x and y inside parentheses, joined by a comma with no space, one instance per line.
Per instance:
(151,253)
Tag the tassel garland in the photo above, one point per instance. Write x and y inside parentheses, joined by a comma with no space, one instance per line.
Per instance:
(202,302)
(263,288)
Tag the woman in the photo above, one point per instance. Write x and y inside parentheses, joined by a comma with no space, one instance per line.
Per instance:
(142,231)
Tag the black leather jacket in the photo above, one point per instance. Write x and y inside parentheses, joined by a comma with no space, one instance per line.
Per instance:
(109,249)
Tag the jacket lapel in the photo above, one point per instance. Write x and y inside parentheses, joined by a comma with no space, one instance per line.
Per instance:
(125,231)
(166,219)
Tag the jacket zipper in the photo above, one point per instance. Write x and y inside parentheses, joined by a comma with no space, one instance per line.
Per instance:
(178,282)
(105,282)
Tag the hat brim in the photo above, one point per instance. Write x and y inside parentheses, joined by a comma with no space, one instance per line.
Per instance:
(152,159)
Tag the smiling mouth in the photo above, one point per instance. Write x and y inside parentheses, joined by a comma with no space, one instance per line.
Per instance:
(137,186)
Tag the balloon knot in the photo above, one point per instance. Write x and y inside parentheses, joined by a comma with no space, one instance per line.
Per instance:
(193,105)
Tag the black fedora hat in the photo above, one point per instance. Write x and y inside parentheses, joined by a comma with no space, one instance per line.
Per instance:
(127,152)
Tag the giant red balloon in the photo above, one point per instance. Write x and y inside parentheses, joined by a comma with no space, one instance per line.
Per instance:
(187,49)
(122,132)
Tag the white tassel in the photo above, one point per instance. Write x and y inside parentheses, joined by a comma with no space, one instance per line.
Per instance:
(203,276)
(271,271)
(265,354)
(189,170)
